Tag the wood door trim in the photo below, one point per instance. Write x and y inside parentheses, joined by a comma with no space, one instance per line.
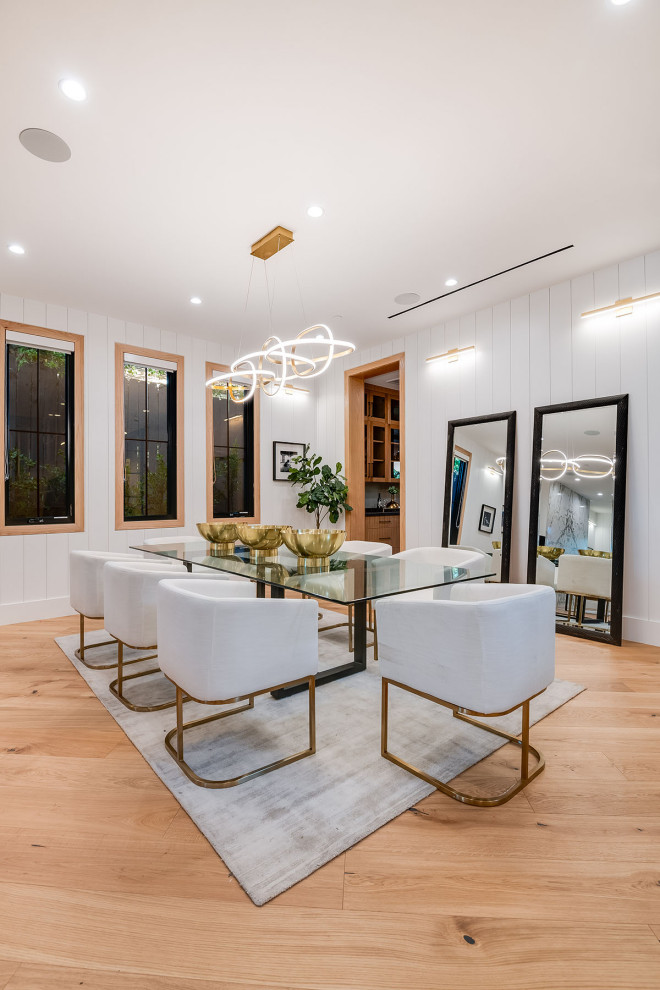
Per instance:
(354,379)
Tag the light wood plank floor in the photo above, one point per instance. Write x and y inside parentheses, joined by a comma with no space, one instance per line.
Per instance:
(105,882)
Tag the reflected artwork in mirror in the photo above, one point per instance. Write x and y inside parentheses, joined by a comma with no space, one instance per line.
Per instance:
(479,487)
(577,512)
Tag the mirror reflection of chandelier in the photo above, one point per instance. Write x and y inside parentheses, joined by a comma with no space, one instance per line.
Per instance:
(555,464)
(279,363)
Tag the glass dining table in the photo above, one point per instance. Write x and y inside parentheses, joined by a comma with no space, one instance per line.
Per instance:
(352,579)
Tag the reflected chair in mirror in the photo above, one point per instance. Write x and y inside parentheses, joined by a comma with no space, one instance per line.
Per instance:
(130,615)
(86,593)
(218,650)
(486,651)
(585,578)
(577,512)
(479,477)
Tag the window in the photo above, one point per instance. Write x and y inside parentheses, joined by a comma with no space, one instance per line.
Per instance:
(149,444)
(42,445)
(232,462)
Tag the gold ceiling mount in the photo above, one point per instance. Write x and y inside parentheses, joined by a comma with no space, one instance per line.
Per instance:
(271,243)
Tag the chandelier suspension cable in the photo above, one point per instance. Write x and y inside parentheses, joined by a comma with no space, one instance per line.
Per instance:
(300,295)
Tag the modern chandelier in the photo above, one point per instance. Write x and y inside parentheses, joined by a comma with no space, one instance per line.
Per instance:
(280,362)
(585,466)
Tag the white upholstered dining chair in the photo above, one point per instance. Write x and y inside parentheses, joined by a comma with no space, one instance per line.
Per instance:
(486,651)
(218,648)
(86,592)
(130,613)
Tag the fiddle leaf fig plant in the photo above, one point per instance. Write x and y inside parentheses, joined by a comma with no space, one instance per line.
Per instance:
(322,490)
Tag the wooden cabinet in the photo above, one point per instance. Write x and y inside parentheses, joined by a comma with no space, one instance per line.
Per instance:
(381,435)
(383,529)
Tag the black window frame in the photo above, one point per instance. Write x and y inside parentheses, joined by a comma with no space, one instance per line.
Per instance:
(70,413)
(172,384)
(248,412)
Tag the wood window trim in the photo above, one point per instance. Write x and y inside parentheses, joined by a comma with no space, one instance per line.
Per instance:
(78,430)
(468,457)
(211,368)
(120,523)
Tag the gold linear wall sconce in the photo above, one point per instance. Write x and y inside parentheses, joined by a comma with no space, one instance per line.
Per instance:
(452,355)
(622,307)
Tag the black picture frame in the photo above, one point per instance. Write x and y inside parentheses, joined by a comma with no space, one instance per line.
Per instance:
(281,448)
(487,518)
(507,508)
(618,508)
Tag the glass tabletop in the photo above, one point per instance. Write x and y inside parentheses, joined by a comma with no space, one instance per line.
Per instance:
(351,578)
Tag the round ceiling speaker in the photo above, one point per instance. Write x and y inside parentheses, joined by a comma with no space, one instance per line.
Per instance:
(407,299)
(45,145)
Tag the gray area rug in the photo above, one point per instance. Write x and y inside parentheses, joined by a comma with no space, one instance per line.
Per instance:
(275,830)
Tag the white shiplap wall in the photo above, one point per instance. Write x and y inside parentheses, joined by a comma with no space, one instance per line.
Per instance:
(34,568)
(533,351)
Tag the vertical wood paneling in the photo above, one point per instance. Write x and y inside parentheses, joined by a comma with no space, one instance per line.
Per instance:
(582,339)
(561,377)
(520,400)
(652,316)
(34,313)
(438,437)
(502,357)
(606,334)
(414,432)
(467,367)
(483,362)
(11,308)
(634,380)
(100,403)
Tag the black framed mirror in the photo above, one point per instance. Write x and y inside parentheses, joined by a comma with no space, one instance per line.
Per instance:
(481,455)
(577,513)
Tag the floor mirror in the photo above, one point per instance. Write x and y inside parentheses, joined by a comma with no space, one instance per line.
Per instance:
(577,513)
(481,456)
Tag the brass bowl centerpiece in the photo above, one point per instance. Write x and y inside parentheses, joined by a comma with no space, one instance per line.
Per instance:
(313,547)
(595,553)
(552,553)
(221,536)
(497,544)
(261,539)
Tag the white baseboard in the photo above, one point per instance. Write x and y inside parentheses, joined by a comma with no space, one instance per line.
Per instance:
(44,608)
(641,630)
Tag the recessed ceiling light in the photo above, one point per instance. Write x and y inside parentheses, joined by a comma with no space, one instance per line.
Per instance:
(195,300)
(314,211)
(407,299)
(16,249)
(73,89)
(450,282)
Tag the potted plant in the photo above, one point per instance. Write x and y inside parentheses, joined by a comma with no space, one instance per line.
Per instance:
(323,492)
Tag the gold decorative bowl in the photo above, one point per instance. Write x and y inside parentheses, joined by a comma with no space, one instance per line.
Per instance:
(260,538)
(497,544)
(313,547)
(221,536)
(595,553)
(552,553)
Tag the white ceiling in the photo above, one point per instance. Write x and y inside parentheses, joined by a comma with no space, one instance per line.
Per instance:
(441,138)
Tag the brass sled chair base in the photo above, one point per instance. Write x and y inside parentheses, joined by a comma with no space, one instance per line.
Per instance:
(463,713)
(116,687)
(176,752)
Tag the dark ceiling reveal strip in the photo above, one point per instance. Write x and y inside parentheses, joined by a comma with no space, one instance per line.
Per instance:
(462,288)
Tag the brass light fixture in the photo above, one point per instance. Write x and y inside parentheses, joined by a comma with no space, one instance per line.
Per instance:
(279,362)
(452,355)
(622,307)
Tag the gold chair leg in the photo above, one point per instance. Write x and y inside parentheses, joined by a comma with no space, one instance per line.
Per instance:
(117,686)
(471,799)
(180,727)
(82,649)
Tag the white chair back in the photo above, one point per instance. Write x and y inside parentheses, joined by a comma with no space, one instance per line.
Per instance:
(130,597)
(587,576)
(367,548)
(86,579)
(215,644)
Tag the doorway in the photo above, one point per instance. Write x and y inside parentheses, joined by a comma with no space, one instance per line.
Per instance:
(375,450)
